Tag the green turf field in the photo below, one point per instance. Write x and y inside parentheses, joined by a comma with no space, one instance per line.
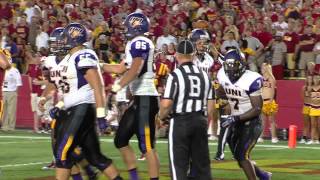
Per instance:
(22,154)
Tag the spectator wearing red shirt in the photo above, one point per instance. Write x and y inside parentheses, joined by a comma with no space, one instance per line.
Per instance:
(12,27)
(161,5)
(275,15)
(22,28)
(117,41)
(307,42)
(108,82)
(5,10)
(291,39)
(316,11)
(35,79)
(155,29)
(264,36)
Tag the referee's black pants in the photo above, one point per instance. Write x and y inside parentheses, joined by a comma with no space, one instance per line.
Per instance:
(188,140)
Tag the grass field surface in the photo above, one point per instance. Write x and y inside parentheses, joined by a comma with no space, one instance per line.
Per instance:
(22,154)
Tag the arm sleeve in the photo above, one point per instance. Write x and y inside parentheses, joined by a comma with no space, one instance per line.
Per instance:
(255,87)
(140,48)
(171,88)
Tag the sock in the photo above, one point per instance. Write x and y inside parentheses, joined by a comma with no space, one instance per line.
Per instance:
(76,176)
(133,174)
(258,171)
(90,172)
(156,178)
(118,178)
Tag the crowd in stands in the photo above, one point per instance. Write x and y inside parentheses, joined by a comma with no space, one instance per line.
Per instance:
(284,33)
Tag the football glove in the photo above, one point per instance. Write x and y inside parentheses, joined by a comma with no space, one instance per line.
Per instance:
(54,112)
(228,120)
(102,123)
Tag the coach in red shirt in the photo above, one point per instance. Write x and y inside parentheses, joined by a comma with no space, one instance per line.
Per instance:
(291,39)
(307,41)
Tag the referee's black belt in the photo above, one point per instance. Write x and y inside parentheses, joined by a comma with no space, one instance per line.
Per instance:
(188,113)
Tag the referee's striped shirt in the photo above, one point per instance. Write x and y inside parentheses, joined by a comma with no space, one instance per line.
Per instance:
(189,88)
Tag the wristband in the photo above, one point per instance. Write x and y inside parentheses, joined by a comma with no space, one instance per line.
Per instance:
(101,112)
(60,104)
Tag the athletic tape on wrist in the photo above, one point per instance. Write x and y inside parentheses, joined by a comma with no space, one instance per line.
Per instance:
(60,104)
(101,112)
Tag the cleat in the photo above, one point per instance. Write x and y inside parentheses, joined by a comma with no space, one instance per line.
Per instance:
(218,159)
(213,138)
(51,166)
(260,140)
(274,140)
(266,176)
(302,141)
(310,142)
(142,157)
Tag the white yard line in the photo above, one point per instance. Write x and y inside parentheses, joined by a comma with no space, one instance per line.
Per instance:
(23,142)
(27,164)
(103,139)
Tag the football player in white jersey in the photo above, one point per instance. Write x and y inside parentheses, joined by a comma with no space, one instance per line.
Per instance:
(139,118)
(49,63)
(78,77)
(204,61)
(243,90)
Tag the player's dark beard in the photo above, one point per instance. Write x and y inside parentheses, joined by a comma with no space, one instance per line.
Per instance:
(233,76)
(200,55)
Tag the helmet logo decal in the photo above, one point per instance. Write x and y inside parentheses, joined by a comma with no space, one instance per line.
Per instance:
(135,21)
(75,32)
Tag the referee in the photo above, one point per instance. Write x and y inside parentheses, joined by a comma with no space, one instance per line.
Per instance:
(187,95)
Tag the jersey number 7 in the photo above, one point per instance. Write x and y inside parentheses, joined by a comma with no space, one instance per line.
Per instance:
(236,103)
